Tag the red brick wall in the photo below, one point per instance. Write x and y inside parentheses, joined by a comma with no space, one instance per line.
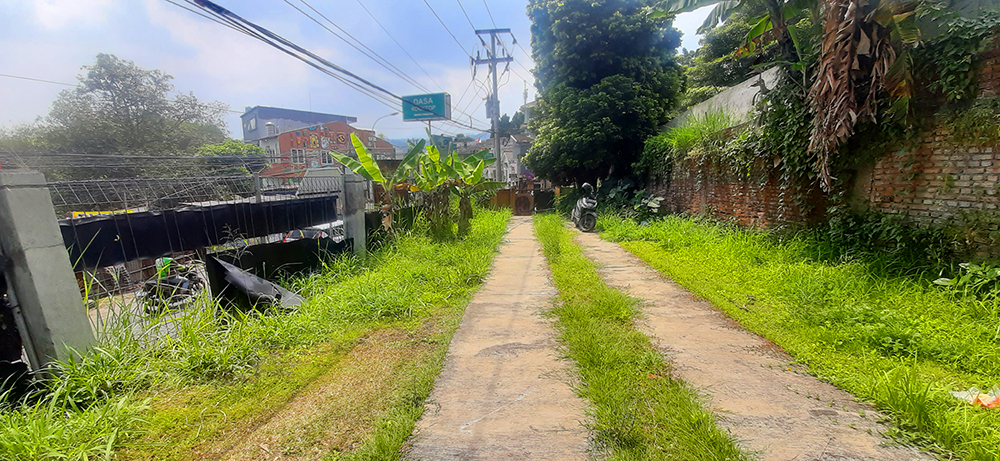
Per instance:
(933,180)
(701,188)
(938,180)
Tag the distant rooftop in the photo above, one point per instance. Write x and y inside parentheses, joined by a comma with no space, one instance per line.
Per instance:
(255,120)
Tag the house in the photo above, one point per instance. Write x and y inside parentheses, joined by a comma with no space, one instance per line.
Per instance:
(291,153)
(263,121)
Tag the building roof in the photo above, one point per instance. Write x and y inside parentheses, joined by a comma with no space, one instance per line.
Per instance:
(255,119)
(308,117)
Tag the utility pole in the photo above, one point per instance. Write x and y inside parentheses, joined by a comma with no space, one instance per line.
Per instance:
(493,102)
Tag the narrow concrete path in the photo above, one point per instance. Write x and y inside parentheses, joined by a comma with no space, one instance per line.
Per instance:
(504,394)
(767,403)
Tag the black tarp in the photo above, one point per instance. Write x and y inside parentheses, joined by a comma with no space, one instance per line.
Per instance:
(102,241)
(274,261)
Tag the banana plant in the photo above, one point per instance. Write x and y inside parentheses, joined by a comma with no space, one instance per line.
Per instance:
(366,166)
(469,183)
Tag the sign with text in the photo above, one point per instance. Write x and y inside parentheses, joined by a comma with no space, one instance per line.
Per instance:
(427,107)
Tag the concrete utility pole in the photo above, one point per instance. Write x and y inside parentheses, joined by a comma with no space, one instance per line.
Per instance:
(49,309)
(493,103)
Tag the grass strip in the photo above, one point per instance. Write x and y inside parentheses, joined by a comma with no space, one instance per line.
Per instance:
(638,410)
(896,341)
(196,393)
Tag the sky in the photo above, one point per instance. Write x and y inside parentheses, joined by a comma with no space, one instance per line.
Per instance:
(52,39)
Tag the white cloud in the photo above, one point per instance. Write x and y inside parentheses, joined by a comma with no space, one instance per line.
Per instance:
(56,14)
(235,63)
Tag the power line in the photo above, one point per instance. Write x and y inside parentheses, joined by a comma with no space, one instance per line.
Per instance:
(466,15)
(387,65)
(37,80)
(399,45)
(223,15)
(353,80)
(489,13)
(447,29)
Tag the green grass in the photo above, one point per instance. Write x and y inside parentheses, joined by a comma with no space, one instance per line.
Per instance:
(700,134)
(895,340)
(638,411)
(149,396)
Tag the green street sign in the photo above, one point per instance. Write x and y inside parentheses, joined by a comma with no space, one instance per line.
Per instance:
(427,107)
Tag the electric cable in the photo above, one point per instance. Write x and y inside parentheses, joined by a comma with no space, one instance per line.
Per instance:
(356,82)
(36,79)
(489,13)
(447,29)
(384,62)
(467,18)
(399,45)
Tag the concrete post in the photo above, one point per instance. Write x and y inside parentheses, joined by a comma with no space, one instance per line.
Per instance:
(39,272)
(354,211)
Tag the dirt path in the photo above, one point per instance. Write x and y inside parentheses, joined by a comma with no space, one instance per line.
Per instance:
(767,403)
(341,408)
(503,393)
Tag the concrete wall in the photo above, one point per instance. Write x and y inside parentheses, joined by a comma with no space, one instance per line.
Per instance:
(738,101)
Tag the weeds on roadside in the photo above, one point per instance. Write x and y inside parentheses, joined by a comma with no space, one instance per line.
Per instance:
(97,403)
(862,321)
(638,410)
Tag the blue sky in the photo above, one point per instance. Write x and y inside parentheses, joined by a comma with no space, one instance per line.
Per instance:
(52,39)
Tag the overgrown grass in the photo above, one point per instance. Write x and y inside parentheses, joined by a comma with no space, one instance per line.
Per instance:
(897,341)
(160,396)
(639,411)
(700,134)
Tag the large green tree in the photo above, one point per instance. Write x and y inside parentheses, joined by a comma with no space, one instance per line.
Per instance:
(606,73)
(121,107)
(117,111)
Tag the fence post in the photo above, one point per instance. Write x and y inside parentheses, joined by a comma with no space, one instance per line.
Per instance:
(39,272)
(354,211)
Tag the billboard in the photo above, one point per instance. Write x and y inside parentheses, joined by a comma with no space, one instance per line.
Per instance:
(427,107)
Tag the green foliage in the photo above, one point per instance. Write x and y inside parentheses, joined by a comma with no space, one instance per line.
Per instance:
(238,155)
(99,404)
(693,96)
(584,135)
(899,245)
(981,280)
(898,341)
(434,176)
(975,124)
(715,63)
(948,62)
(121,107)
(638,410)
(367,167)
(700,135)
(656,158)
(118,108)
(508,126)
(607,79)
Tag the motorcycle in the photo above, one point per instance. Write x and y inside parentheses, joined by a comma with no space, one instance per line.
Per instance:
(174,286)
(585,212)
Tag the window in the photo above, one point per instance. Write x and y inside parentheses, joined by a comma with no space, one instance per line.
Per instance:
(326,159)
(272,156)
(252,124)
(299,156)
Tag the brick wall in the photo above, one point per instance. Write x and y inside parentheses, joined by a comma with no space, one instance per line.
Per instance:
(758,200)
(933,180)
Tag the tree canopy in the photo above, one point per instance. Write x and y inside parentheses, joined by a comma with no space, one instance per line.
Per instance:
(119,107)
(607,77)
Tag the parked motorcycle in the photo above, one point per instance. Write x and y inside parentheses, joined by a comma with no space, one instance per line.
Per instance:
(585,212)
(174,287)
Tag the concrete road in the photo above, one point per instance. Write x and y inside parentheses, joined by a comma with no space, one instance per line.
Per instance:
(504,392)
